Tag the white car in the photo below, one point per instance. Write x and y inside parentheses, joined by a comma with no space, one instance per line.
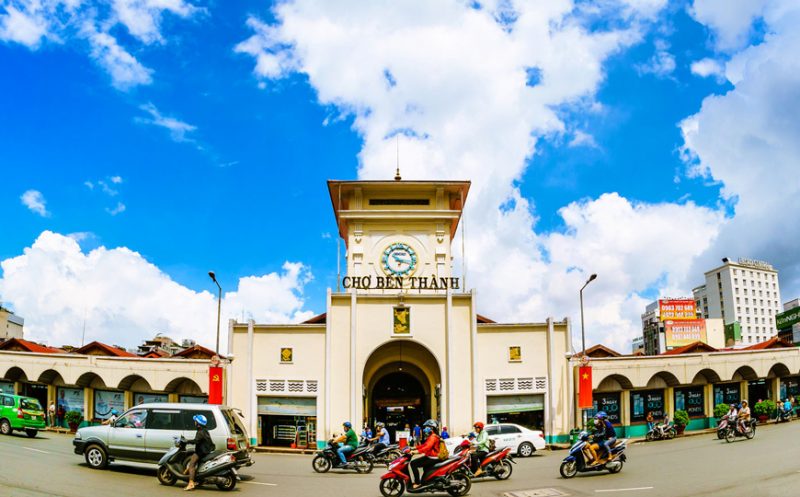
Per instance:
(523,442)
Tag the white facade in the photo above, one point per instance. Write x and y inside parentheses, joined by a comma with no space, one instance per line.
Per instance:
(10,325)
(747,292)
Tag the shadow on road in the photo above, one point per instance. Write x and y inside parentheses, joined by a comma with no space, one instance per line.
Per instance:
(123,468)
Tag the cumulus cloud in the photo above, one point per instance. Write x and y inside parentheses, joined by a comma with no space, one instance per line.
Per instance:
(91,23)
(708,67)
(34,200)
(747,138)
(455,82)
(178,130)
(117,209)
(661,64)
(126,299)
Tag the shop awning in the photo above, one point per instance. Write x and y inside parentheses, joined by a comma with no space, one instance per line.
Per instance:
(287,406)
(514,403)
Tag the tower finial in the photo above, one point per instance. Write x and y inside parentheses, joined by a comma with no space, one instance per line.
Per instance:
(397,173)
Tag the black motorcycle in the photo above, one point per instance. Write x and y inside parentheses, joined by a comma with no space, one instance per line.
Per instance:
(326,459)
(218,467)
(384,454)
(782,415)
(661,431)
(734,431)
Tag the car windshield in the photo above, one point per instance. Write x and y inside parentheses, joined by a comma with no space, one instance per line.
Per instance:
(30,404)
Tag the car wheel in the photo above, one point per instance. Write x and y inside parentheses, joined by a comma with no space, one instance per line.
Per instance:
(96,457)
(166,477)
(5,427)
(228,482)
(31,433)
(526,449)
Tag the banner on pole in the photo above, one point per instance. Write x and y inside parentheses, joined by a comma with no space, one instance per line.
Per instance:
(215,385)
(585,387)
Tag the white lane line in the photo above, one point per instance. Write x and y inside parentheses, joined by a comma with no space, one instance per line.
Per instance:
(37,450)
(624,489)
(261,483)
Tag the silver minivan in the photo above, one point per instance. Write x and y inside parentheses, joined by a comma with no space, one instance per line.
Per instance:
(146,432)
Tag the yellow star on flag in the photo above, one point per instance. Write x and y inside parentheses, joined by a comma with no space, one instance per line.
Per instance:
(585,376)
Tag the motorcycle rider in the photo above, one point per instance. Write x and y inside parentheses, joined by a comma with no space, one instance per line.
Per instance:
(203,446)
(787,407)
(744,417)
(348,441)
(381,436)
(608,437)
(482,449)
(112,418)
(428,450)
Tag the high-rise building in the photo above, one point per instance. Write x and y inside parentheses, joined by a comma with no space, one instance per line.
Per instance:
(746,292)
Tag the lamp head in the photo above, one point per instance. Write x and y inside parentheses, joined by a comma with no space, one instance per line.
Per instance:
(213,276)
(593,277)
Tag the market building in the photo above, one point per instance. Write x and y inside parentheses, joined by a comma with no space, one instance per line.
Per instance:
(401,339)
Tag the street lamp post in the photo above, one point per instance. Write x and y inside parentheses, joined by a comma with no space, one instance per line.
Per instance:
(583,333)
(219,307)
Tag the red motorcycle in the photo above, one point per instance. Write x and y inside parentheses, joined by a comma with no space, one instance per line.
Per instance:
(496,464)
(450,475)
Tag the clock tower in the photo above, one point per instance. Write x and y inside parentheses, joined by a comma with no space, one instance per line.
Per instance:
(398,234)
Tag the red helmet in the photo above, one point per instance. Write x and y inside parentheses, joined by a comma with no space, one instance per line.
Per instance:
(478,424)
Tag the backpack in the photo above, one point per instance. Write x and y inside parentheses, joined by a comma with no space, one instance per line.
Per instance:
(492,445)
(443,452)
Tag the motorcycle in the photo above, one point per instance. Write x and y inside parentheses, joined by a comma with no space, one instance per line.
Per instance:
(328,458)
(496,464)
(662,431)
(733,431)
(782,415)
(722,427)
(576,461)
(450,475)
(384,455)
(218,467)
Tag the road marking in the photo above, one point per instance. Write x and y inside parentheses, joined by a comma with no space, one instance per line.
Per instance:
(37,450)
(624,489)
(261,483)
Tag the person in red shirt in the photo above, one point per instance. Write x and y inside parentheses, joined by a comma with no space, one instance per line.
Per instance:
(429,453)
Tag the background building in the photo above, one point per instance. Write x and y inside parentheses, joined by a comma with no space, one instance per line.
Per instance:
(745,292)
(10,324)
(671,323)
(788,322)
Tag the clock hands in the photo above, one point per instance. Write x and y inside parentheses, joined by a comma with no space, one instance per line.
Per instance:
(400,259)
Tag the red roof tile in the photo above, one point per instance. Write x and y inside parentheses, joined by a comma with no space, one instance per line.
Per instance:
(691,348)
(197,349)
(772,343)
(107,350)
(27,346)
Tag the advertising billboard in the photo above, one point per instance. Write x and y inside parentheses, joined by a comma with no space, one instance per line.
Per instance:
(785,320)
(680,333)
(676,309)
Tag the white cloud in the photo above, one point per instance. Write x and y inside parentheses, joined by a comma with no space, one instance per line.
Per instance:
(708,67)
(116,179)
(127,299)
(178,129)
(661,64)
(34,200)
(747,140)
(461,93)
(731,20)
(583,139)
(118,209)
(30,22)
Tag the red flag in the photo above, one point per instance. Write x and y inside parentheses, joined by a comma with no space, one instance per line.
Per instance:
(585,387)
(215,385)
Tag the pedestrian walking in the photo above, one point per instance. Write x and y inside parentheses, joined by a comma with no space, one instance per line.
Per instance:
(51,413)
(417,434)
(60,412)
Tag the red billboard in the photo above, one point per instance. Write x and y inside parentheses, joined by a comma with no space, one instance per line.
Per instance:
(676,309)
(680,333)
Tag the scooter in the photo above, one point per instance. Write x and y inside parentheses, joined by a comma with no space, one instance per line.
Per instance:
(662,431)
(496,464)
(733,431)
(384,455)
(576,461)
(782,415)
(450,475)
(218,467)
(722,427)
(327,458)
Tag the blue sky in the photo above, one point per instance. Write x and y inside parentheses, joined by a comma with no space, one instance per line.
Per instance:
(221,165)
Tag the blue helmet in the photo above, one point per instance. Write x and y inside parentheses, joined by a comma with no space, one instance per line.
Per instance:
(427,430)
(347,424)
(472,435)
(601,415)
(114,412)
(200,419)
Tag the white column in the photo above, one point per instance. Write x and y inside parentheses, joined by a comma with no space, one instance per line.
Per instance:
(446,393)
(478,399)
(322,424)
(228,397)
(569,383)
(252,415)
(355,392)
(550,408)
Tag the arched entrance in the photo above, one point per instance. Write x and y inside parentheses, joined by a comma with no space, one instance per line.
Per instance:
(401,385)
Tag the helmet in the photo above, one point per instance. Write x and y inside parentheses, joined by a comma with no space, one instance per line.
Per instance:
(114,412)
(744,401)
(347,424)
(379,424)
(733,406)
(430,424)
(472,435)
(601,415)
(478,424)
(427,430)
(200,419)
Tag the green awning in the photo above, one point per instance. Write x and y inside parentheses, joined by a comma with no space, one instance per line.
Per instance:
(497,404)
(287,406)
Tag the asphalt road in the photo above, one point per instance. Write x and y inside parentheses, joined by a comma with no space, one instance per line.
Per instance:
(693,466)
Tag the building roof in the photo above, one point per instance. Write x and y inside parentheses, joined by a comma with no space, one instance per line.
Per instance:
(599,350)
(323,318)
(197,352)
(773,343)
(154,354)
(691,348)
(27,346)
(99,348)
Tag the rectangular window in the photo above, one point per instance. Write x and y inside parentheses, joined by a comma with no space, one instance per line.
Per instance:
(737,300)
(649,401)
(399,201)
(746,300)
(691,401)
(747,310)
(736,281)
(188,422)
(162,419)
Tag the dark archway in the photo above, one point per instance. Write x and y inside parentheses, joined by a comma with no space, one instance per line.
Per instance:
(399,398)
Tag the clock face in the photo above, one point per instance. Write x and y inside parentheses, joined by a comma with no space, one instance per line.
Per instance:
(399,259)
